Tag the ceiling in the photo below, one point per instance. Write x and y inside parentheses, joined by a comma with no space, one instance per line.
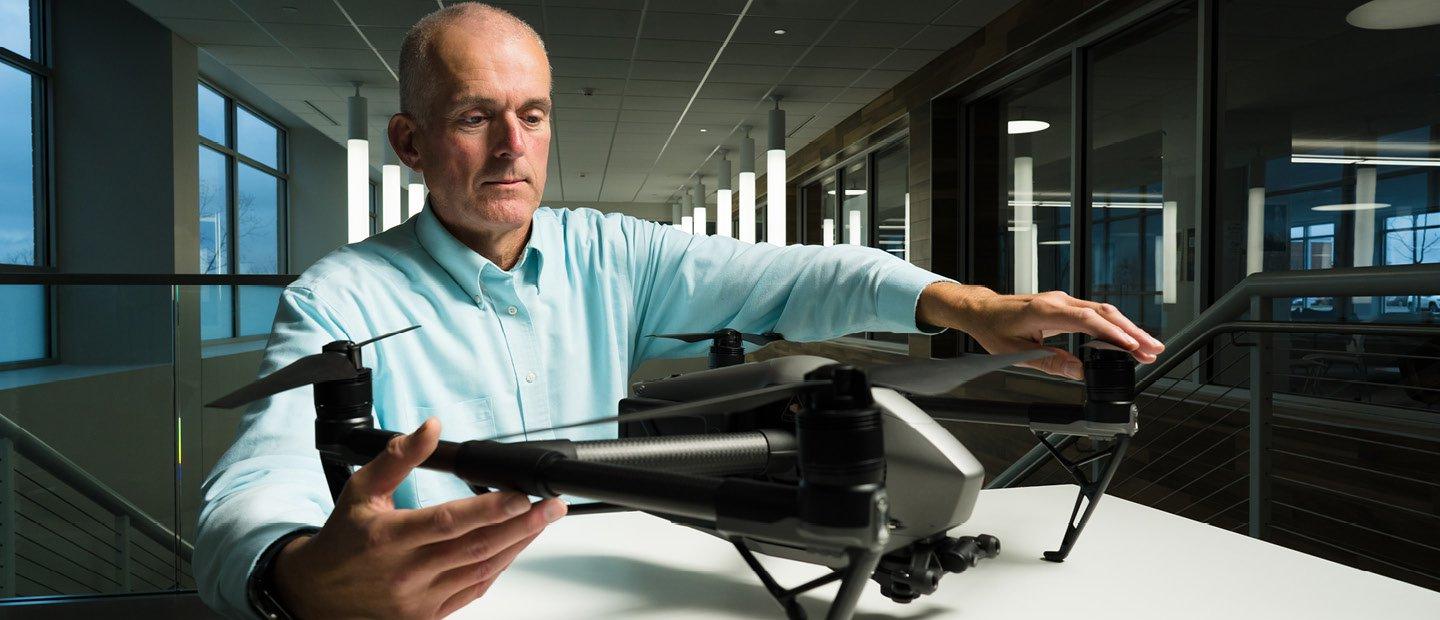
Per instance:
(672,80)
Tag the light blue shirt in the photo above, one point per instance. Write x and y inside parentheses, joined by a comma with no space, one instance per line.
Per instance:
(551,341)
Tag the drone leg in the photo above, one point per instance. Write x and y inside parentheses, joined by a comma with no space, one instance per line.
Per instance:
(336,475)
(857,574)
(786,598)
(1090,490)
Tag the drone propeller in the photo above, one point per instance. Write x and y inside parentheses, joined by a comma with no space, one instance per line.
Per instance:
(337,361)
(755,339)
(724,404)
(932,377)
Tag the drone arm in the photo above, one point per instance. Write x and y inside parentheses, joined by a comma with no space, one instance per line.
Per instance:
(765,451)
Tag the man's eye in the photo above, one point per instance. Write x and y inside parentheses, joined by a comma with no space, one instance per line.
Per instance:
(473,119)
(534,119)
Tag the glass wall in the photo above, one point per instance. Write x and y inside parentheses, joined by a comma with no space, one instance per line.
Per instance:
(892,200)
(25,338)
(1020,184)
(1141,168)
(1329,137)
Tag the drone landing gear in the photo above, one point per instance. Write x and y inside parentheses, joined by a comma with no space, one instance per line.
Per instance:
(913,571)
(1090,490)
(785,597)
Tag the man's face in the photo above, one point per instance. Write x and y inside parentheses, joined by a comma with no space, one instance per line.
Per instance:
(485,141)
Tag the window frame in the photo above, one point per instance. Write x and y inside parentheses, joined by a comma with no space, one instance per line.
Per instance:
(233,159)
(43,158)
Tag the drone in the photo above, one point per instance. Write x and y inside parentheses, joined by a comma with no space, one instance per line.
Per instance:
(797,457)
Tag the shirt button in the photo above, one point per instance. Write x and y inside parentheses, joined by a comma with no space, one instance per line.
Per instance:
(529,377)
(511,310)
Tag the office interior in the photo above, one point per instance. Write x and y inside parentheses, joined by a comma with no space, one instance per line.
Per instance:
(1206,166)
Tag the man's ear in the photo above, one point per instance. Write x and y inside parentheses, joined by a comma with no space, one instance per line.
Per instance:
(404,135)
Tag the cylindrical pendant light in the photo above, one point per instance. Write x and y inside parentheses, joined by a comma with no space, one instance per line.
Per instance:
(747,188)
(357,174)
(1027,272)
(775,212)
(687,212)
(1169,256)
(389,189)
(722,198)
(687,224)
(697,199)
(416,197)
(675,213)
(1255,219)
(827,231)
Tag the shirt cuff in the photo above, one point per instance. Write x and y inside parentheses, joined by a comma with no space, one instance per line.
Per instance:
(899,299)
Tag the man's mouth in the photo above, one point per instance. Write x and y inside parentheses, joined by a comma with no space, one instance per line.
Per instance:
(505,182)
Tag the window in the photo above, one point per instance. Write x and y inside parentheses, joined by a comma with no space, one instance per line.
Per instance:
(1021,184)
(23,196)
(1329,138)
(1141,164)
(242,202)
(863,201)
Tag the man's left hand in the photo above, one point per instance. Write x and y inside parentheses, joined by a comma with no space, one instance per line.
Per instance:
(1012,323)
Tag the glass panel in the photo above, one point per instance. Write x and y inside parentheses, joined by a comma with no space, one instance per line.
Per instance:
(1020,183)
(257,139)
(812,203)
(830,206)
(1143,217)
(17,168)
(214,213)
(257,308)
(216,312)
(855,220)
(15,26)
(106,406)
(257,210)
(212,115)
(27,328)
(1329,145)
(892,200)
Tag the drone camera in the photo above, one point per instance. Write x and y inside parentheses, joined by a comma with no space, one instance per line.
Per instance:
(1109,385)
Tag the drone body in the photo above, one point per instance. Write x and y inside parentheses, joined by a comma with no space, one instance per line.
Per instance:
(797,457)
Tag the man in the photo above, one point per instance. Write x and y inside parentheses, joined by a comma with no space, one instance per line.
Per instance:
(530,318)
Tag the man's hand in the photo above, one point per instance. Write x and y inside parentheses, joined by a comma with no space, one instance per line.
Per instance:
(1012,323)
(376,561)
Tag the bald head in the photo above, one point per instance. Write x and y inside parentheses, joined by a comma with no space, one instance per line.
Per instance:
(419,53)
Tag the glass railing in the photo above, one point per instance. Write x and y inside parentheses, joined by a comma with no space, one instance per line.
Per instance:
(104,439)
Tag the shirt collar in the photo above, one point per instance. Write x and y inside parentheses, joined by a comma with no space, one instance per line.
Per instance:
(469,268)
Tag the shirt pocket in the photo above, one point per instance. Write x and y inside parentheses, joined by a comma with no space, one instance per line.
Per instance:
(459,422)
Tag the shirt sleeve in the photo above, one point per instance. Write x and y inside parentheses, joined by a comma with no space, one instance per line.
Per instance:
(696,283)
(269,482)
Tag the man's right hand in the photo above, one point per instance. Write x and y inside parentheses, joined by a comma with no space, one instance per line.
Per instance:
(374,560)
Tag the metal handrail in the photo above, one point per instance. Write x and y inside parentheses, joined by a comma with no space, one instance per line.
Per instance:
(66,471)
(1223,314)
(146,279)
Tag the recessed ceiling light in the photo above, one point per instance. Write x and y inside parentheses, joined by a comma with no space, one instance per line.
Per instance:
(1024,126)
(780,31)
(1394,14)
(289,9)
(1354,206)
(704,130)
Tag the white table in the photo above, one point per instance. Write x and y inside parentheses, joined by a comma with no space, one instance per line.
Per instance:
(1132,562)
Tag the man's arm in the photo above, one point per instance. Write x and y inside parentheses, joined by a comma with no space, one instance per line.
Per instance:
(687,283)
(368,558)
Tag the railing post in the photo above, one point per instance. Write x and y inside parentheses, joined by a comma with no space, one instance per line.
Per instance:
(1260,414)
(8,512)
(122,552)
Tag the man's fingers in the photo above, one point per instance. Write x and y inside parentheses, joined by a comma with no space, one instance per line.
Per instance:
(478,543)
(1062,364)
(459,580)
(456,518)
(1148,345)
(380,476)
(463,598)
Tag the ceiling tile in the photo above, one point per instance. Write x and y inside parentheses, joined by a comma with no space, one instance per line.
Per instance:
(385,38)
(910,11)
(589,47)
(389,13)
(940,37)
(316,35)
(797,31)
(730,7)
(974,13)
(205,32)
(259,55)
(677,50)
(593,22)
(328,58)
(189,9)
(747,74)
(606,68)
(762,54)
(687,27)
(870,34)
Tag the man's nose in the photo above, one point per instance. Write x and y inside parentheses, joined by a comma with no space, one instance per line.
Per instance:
(510,141)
